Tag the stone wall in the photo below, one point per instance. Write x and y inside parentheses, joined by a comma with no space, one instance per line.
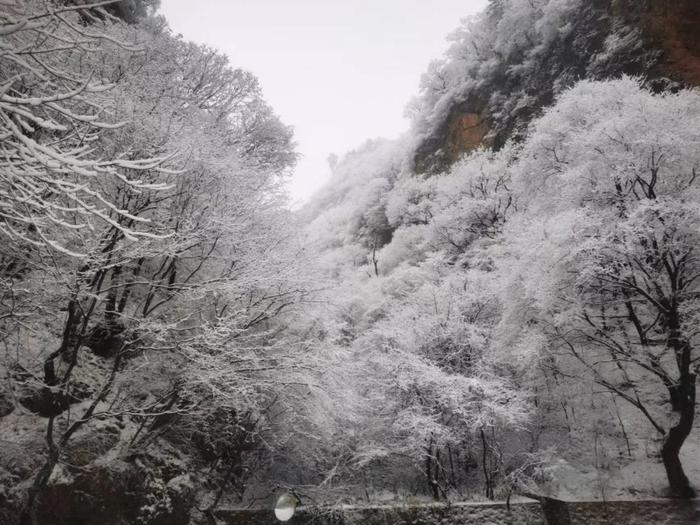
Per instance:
(464,514)
(646,512)
(548,512)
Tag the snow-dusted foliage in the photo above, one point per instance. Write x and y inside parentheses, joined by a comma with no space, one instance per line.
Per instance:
(415,318)
(564,261)
(146,252)
(53,111)
(604,247)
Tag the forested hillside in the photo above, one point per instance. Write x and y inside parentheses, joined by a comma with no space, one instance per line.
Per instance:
(502,301)
(515,278)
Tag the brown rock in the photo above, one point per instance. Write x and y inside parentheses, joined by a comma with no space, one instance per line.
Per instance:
(465,132)
(673,26)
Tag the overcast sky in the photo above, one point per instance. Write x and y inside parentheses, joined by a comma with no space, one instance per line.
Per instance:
(340,72)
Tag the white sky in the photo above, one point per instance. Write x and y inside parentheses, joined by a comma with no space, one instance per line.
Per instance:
(339,71)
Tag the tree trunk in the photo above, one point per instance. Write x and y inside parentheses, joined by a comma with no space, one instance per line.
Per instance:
(432,481)
(678,481)
(28,512)
(487,476)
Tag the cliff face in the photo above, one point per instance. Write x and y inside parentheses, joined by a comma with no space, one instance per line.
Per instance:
(655,39)
(465,131)
(466,128)
(673,27)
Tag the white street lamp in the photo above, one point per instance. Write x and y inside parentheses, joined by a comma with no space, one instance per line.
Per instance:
(285,507)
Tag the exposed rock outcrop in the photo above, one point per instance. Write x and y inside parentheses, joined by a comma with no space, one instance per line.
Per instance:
(672,26)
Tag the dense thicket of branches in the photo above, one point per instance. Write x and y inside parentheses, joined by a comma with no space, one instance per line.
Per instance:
(563,263)
(146,250)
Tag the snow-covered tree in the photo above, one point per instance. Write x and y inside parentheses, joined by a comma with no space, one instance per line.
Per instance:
(605,247)
(52,114)
(142,190)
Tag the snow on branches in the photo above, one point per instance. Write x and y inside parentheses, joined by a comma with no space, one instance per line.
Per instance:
(53,112)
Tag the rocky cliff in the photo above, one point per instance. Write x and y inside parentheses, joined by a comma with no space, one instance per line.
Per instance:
(504,85)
